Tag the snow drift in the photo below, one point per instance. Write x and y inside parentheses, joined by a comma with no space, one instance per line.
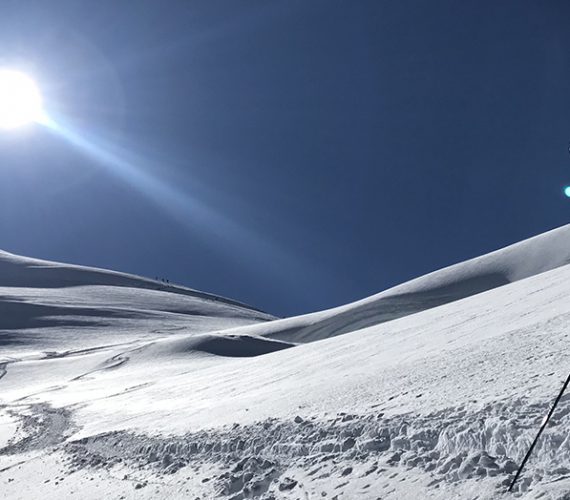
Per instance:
(508,265)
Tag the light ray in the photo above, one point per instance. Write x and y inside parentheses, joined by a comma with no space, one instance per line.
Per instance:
(222,233)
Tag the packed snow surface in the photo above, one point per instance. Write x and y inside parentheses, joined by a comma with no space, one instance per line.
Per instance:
(117,386)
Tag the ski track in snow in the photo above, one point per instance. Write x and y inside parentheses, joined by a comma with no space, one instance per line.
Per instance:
(41,427)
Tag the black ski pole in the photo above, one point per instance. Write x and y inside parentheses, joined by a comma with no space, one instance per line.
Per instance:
(544,422)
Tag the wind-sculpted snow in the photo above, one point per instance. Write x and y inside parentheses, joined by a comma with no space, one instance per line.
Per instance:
(233,346)
(521,260)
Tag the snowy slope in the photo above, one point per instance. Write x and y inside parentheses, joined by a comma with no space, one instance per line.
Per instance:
(51,306)
(440,403)
(25,272)
(508,265)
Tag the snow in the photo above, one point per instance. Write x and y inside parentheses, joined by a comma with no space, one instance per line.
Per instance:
(46,306)
(113,385)
(521,260)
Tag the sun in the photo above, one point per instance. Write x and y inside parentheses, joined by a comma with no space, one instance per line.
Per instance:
(20,99)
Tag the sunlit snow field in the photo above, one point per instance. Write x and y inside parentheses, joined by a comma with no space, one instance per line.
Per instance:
(117,386)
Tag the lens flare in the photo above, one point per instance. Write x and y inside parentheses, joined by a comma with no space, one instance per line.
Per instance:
(567,191)
(20,100)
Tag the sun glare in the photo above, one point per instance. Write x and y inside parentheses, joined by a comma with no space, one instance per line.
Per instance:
(20,99)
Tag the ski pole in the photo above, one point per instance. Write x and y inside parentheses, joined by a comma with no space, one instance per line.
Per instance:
(543,425)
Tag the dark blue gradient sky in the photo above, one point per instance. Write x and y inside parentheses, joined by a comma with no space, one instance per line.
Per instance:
(294,155)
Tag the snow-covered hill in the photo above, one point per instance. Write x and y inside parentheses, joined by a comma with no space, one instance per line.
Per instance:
(521,260)
(434,389)
(51,306)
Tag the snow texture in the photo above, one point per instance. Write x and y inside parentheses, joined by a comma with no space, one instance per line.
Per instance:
(118,386)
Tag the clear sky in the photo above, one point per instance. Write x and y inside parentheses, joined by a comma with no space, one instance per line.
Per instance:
(295,154)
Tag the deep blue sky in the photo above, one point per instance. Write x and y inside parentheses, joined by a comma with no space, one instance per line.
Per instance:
(294,155)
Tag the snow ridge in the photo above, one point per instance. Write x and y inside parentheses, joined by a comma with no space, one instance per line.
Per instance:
(522,260)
